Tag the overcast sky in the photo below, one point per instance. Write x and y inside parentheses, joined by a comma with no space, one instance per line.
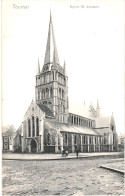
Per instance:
(90,40)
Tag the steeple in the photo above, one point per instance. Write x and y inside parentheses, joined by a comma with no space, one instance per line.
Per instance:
(51,46)
(38,68)
(97,109)
(64,68)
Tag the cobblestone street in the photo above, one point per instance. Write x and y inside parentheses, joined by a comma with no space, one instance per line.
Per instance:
(63,177)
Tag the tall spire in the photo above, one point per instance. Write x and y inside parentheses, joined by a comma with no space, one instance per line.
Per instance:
(51,46)
(98,107)
(38,68)
(64,68)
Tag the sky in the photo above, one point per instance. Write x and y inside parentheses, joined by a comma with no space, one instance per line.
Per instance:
(89,37)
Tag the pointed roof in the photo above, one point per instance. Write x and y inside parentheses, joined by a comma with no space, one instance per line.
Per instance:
(51,48)
(64,67)
(38,68)
(98,107)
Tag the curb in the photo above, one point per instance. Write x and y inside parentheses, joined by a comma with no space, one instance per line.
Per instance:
(64,158)
(112,169)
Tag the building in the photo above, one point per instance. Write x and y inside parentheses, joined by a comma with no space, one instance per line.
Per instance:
(48,126)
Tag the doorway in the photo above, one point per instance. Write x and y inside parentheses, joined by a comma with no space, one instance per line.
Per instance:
(33,146)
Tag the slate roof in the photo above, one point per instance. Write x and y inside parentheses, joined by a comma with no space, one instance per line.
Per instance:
(45,109)
(82,111)
(73,128)
(102,121)
(104,131)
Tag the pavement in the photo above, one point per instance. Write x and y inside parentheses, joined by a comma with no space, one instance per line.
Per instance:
(44,157)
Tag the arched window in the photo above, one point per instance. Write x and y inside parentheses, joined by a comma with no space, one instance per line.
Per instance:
(47,93)
(60,93)
(33,127)
(84,139)
(63,109)
(29,129)
(51,92)
(44,103)
(37,127)
(53,75)
(75,139)
(20,140)
(90,140)
(44,78)
(66,138)
(48,139)
(50,105)
(74,119)
(95,140)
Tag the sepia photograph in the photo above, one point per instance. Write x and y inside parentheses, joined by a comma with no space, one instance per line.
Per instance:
(62,97)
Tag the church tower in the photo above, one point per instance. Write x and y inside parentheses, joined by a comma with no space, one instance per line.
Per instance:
(51,87)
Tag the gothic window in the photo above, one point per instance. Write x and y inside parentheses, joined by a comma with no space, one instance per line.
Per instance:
(48,139)
(63,119)
(47,93)
(84,139)
(60,93)
(20,140)
(44,103)
(63,109)
(105,138)
(112,127)
(75,139)
(53,75)
(29,129)
(66,138)
(33,127)
(37,127)
(72,119)
(90,140)
(42,94)
(44,78)
(95,140)
(51,92)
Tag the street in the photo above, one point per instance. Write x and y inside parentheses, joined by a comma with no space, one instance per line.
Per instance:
(61,177)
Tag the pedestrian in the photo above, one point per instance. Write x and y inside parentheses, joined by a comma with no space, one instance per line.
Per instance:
(77,151)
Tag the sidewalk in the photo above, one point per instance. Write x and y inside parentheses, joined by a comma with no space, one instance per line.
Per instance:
(44,157)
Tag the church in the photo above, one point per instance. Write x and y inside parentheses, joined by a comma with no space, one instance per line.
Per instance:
(49,127)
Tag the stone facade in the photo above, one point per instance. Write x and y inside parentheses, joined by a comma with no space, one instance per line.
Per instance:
(49,127)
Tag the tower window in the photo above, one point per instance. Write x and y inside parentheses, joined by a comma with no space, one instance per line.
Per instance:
(53,75)
(47,93)
(51,92)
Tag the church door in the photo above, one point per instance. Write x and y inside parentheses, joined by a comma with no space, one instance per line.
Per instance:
(33,146)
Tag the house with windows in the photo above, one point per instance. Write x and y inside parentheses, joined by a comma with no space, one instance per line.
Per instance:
(48,126)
